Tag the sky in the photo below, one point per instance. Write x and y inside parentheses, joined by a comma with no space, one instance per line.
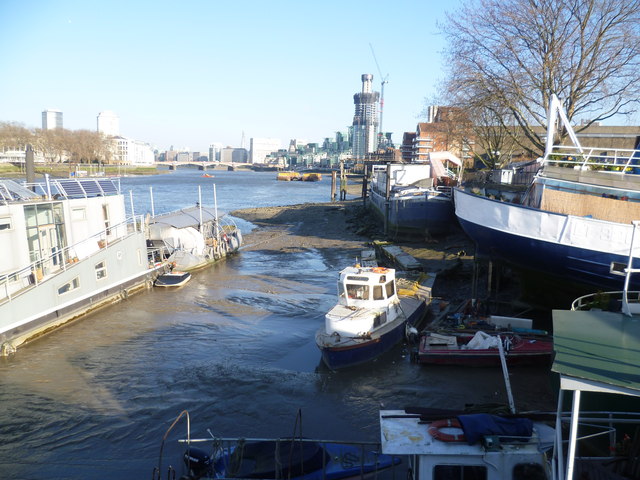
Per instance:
(194,72)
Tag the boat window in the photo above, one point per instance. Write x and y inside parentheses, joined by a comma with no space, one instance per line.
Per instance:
(390,287)
(341,292)
(459,472)
(360,292)
(617,268)
(78,214)
(67,287)
(5,223)
(377,292)
(101,270)
(528,471)
(380,320)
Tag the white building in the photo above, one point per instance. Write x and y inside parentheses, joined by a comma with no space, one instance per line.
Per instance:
(51,119)
(132,152)
(108,123)
(261,147)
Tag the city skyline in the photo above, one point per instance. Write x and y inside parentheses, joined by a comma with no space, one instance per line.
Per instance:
(200,72)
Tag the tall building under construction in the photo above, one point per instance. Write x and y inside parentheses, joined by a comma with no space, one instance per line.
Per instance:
(365,119)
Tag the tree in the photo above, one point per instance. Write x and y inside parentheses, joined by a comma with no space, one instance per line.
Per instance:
(509,56)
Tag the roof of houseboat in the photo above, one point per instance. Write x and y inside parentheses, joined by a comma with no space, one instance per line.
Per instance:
(597,350)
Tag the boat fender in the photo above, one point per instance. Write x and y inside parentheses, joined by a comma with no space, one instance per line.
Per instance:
(435,432)
(379,270)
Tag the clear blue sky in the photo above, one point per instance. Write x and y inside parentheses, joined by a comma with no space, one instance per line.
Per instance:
(192,72)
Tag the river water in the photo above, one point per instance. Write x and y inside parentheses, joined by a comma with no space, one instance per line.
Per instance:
(234,347)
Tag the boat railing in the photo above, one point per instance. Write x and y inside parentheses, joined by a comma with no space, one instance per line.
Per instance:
(19,281)
(616,160)
(607,301)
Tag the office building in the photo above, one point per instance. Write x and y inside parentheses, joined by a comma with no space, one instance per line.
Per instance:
(365,119)
(51,119)
(260,148)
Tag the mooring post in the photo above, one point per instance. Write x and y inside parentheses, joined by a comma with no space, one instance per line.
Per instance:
(334,176)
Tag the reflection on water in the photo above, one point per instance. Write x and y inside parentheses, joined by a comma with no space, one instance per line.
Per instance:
(235,348)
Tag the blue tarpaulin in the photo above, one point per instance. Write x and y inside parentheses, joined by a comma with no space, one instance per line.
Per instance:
(475,426)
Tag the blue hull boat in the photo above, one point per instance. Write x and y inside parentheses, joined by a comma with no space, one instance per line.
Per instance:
(369,318)
(573,223)
(298,459)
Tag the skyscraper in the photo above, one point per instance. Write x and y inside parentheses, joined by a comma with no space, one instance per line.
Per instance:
(51,119)
(365,119)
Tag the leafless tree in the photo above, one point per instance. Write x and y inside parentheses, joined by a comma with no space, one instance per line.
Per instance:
(510,56)
(14,136)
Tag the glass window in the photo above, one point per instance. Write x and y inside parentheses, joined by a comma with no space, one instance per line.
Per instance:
(460,472)
(380,320)
(78,214)
(5,223)
(101,270)
(359,292)
(67,287)
(390,287)
(377,292)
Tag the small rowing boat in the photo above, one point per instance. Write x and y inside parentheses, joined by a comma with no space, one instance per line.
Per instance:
(172,279)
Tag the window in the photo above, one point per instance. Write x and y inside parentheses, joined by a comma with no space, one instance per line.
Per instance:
(67,287)
(78,214)
(459,472)
(377,292)
(5,223)
(101,270)
(390,288)
(380,320)
(359,292)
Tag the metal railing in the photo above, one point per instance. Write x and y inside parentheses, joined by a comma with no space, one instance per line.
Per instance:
(620,161)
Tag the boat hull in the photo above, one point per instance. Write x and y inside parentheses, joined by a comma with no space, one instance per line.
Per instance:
(173,279)
(298,460)
(429,213)
(363,350)
(483,358)
(579,250)
(523,351)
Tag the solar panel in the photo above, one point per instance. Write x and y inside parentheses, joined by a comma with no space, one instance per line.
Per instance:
(11,191)
(71,188)
(108,186)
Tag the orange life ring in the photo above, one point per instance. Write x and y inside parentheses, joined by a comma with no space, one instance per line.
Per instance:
(435,432)
(378,270)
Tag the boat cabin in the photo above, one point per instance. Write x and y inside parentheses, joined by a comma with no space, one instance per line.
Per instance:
(367,287)
(494,458)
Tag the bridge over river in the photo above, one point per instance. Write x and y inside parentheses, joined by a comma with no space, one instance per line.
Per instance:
(204,165)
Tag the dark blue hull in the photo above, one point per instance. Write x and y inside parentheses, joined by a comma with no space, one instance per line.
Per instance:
(572,264)
(417,216)
(366,351)
(298,460)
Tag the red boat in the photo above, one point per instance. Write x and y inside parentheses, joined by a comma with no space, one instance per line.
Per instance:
(481,349)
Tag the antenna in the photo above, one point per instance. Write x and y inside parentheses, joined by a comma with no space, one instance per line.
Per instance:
(383,81)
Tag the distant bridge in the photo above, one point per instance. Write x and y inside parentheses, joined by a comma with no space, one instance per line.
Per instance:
(203,165)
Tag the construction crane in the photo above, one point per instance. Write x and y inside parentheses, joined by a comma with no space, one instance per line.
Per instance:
(383,81)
